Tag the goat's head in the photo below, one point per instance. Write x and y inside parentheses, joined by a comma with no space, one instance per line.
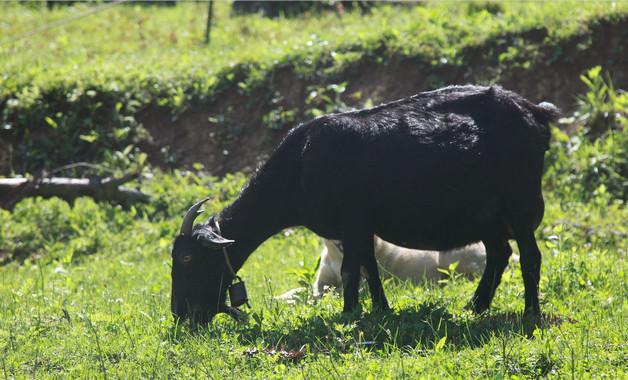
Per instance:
(200,276)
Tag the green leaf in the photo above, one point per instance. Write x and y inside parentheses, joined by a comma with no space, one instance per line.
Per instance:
(441,343)
(51,122)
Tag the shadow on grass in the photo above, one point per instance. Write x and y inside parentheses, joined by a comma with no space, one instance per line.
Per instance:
(418,329)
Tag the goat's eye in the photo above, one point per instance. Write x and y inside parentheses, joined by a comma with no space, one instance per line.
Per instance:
(186,259)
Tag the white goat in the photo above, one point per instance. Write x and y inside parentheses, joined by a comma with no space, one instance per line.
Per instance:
(403,263)
(400,263)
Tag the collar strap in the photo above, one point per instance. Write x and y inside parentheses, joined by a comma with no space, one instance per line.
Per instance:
(224,252)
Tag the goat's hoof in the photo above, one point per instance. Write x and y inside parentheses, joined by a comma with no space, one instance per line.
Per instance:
(381,307)
(476,307)
(351,314)
(533,317)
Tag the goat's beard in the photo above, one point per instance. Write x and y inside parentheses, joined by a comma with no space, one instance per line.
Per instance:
(234,312)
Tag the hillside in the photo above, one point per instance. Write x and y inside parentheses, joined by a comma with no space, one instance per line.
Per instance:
(552,74)
(151,87)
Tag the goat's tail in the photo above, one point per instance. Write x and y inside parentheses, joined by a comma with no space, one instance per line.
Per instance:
(544,113)
(537,116)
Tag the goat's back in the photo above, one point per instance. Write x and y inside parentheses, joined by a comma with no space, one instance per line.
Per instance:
(430,171)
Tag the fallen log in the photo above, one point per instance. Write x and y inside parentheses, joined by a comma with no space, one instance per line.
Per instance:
(12,190)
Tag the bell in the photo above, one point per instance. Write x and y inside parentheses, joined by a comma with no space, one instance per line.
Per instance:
(237,294)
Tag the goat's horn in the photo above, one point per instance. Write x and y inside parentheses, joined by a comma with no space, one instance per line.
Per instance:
(190,216)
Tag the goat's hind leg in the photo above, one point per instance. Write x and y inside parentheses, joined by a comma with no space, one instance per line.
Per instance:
(524,216)
(530,259)
(498,252)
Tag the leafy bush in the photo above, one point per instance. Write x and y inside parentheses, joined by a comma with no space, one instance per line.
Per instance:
(50,229)
(68,124)
(602,109)
(326,99)
(594,160)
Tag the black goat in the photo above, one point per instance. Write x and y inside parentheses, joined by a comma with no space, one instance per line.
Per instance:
(435,171)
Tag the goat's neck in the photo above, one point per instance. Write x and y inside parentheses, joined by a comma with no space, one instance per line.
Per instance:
(253,218)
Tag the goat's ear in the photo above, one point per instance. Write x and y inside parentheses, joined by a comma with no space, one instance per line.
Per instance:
(211,239)
(209,235)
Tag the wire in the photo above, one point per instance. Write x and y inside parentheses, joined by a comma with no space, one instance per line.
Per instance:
(61,22)
(85,165)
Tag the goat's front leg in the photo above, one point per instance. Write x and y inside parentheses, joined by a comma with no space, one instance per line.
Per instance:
(358,252)
(350,273)
(374,281)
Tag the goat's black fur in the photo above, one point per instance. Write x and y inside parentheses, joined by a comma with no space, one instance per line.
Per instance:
(437,170)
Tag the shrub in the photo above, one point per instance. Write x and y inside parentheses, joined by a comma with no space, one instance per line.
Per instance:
(594,160)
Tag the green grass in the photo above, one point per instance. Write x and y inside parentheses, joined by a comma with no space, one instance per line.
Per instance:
(160,50)
(122,42)
(87,81)
(106,311)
